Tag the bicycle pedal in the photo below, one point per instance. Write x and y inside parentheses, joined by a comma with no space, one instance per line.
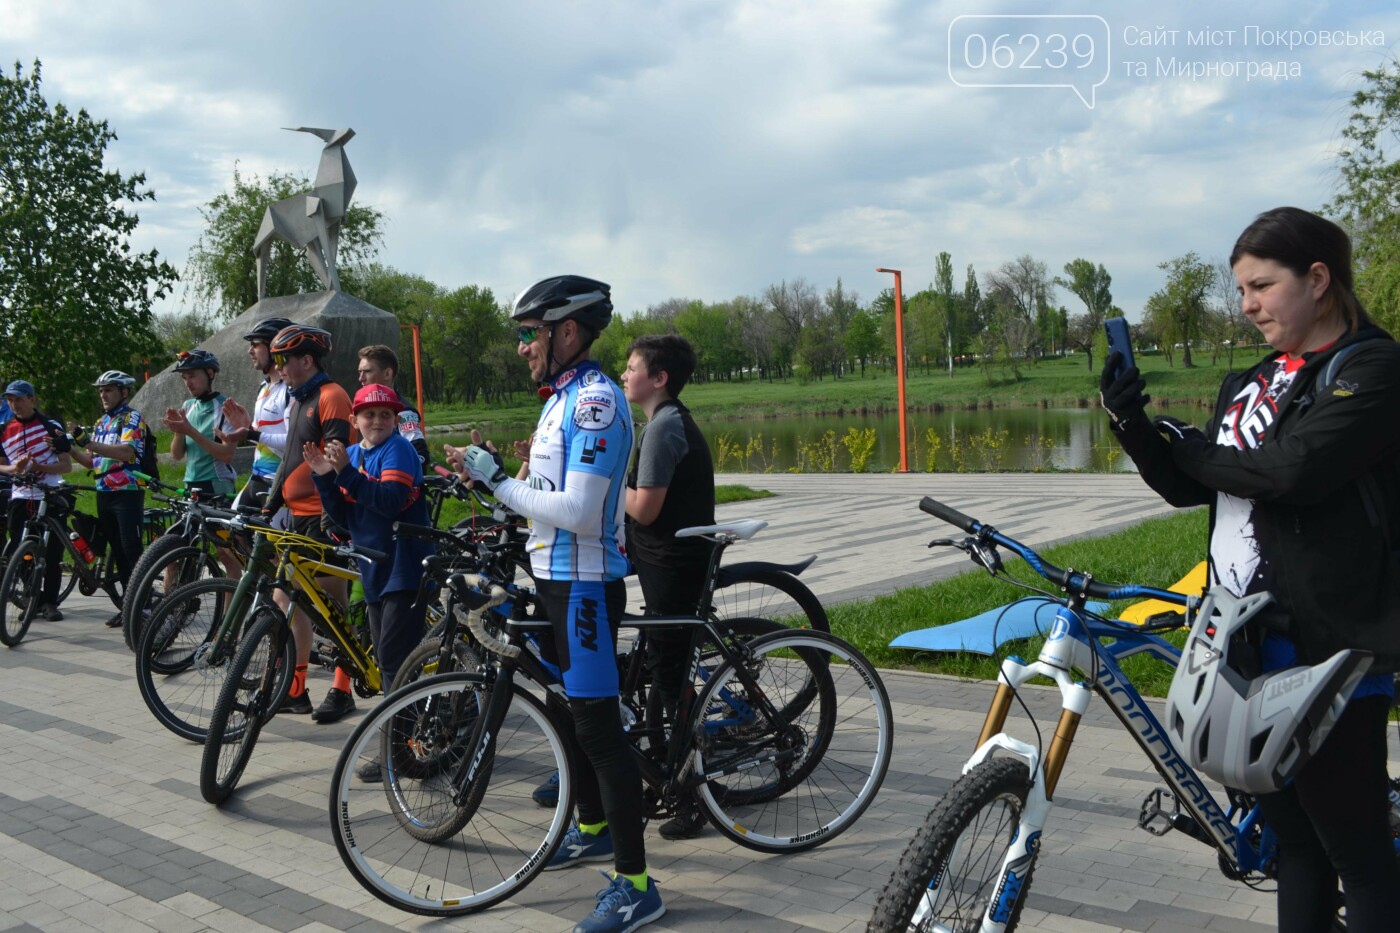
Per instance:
(1153,817)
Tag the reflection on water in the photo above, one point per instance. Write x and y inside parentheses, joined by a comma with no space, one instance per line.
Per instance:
(973,441)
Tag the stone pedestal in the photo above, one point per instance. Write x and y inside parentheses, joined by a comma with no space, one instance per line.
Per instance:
(353,324)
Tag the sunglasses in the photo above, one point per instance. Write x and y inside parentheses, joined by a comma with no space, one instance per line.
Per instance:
(528,334)
(279,359)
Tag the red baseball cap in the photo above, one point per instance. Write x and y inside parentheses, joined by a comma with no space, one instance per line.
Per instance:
(375,395)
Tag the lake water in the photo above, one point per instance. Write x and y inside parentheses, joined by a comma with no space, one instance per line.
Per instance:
(973,441)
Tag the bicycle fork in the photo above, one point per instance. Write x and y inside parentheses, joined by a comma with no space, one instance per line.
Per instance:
(1056,658)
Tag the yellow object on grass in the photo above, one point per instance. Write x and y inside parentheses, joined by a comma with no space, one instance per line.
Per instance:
(1193,584)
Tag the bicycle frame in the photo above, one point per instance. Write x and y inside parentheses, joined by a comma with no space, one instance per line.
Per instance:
(1074,644)
(301,574)
(1239,833)
(667,778)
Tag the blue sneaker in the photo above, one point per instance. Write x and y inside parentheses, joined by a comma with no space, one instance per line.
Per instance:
(579,847)
(622,908)
(547,794)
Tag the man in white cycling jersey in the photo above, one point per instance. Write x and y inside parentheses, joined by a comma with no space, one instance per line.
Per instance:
(572,487)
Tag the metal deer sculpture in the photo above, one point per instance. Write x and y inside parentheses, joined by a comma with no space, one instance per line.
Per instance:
(311,219)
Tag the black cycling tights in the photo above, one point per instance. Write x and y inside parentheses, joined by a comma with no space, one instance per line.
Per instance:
(606,781)
(1333,822)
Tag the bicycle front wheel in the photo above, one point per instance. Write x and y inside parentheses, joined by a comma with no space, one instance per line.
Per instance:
(950,873)
(795,748)
(178,671)
(414,842)
(761,593)
(258,679)
(170,558)
(21,591)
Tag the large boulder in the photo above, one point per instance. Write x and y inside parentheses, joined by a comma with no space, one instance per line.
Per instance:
(353,324)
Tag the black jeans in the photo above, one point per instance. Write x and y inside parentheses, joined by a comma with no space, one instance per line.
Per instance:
(1333,822)
(119,516)
(396,629)
(669,591)
(21,510)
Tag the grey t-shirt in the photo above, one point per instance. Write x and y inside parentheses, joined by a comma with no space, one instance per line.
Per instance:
(661,448)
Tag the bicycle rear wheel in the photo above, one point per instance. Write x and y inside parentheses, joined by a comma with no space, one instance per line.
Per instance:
(21,590)
(258,679)
(950,873)
(794,765)
(406,840)
(177,671)
(761,593)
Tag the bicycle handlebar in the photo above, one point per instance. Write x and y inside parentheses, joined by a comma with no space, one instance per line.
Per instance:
(463,585)
(950,515)
(1069,580)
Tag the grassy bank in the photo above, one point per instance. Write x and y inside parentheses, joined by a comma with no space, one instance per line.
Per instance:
(1157,552)
(1057,383)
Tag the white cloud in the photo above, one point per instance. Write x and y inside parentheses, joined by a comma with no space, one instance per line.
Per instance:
(697,147)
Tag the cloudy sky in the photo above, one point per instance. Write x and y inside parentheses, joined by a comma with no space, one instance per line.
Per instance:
(707,148)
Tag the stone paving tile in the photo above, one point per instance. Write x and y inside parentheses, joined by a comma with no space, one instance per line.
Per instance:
(102,826)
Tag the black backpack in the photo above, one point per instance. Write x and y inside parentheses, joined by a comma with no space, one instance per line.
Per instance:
(150,463)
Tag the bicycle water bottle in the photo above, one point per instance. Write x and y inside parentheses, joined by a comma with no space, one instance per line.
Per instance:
(84,549)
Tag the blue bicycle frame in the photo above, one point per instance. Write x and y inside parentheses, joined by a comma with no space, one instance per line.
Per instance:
(1075,642)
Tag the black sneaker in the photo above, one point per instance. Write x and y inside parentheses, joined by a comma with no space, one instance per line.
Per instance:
(688,823)
(336,706)
(297,705)
(370,773)
(50,612)
(114,622)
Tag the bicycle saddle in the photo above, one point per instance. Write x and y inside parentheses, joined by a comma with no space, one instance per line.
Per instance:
(743,529)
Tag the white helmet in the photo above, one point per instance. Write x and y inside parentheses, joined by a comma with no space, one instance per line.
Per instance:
(115,377)
(1252,734)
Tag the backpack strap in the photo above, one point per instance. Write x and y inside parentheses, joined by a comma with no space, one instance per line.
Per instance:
(1329,372)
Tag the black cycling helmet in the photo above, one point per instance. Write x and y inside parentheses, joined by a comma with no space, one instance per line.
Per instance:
(196,359)
(566,298)
(266,329)
(297,339)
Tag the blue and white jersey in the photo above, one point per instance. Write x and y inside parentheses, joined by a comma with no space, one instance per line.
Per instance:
(583,439)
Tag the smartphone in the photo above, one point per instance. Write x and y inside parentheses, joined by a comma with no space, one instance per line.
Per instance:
(1117,330)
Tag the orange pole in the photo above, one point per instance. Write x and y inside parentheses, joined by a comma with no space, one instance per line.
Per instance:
(417,369)
(899,368)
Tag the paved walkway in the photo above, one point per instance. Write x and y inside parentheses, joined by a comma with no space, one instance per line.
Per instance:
(102,827)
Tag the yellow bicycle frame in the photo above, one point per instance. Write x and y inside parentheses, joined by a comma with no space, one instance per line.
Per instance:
(299,570)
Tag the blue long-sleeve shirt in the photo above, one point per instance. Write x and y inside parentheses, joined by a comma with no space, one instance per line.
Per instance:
(379,486)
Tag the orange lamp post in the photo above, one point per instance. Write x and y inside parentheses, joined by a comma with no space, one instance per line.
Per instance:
(417,369)
(899,368)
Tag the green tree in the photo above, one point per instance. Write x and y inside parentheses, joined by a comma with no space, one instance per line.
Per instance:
(1180,312)
(863,338)
(75,299)
(948,303)
(409,297)
(461,330)
(221,271)
(1368,196)
(1091,285)
(181,331)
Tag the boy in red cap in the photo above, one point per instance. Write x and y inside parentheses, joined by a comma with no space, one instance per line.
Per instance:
(365,489)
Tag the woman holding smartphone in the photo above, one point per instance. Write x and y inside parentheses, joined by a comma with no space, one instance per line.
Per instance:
(1300,466)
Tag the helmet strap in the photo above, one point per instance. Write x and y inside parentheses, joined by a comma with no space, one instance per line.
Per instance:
(551,372)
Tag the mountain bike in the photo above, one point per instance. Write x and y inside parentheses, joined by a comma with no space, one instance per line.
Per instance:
(185,553)
(785,745)
(22,584)
(260,671)
(970,865)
